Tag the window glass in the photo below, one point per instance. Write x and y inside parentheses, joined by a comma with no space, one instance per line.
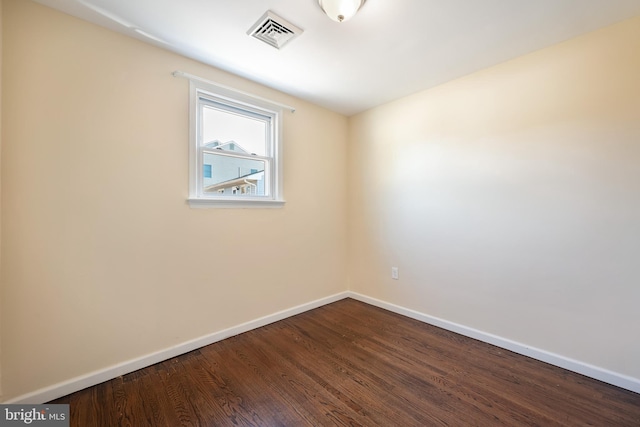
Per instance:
(242,133)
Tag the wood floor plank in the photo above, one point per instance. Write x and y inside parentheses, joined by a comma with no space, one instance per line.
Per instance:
(352,364)
(240,391)
(507,368)
(326,387)
(171,386)
(367,375)
(289,392)
(422,386)
(197,404)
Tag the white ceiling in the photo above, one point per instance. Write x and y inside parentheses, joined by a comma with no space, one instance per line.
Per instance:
(390,49)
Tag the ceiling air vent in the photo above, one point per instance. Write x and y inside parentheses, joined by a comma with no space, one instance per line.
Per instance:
(274,30)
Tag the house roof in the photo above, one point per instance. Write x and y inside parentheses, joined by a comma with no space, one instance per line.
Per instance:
(226,146)
(256,176)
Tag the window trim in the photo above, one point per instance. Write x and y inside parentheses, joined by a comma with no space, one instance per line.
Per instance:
(250,104)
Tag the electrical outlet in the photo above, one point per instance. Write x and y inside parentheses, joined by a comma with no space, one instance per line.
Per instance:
(395,275)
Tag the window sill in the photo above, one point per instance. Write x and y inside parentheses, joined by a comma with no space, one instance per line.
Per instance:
(235,203)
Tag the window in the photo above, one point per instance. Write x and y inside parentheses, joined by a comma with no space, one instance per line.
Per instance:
(206,171)
(235,154)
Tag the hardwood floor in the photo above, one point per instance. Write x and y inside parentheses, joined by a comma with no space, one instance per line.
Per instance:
(352,364)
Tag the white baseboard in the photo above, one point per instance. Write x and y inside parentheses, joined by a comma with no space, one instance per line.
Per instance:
(75,384)
(604,375)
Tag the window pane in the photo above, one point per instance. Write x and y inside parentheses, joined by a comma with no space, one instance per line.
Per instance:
(234,175)
(229,131)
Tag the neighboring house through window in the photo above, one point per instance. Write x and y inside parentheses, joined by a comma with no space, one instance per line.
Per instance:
(223,172)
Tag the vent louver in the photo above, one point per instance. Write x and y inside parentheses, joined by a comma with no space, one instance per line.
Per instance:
(274,30)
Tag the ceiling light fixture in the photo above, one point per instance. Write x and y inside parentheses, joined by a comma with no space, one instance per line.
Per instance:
(340,10)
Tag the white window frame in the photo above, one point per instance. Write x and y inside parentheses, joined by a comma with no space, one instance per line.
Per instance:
(252,105)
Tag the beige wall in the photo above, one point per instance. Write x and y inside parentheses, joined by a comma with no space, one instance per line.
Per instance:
(103,260)
(509,200)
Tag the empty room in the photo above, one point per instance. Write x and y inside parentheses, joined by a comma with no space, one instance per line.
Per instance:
(320,212)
